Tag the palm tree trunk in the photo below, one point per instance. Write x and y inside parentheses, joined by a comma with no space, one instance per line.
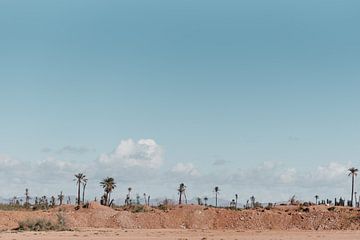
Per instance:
(352,189)
(78,193)
(108,199)
(215,199)
(83,194)
(180,198)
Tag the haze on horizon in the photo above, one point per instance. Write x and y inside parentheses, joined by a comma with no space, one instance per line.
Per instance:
(256,97)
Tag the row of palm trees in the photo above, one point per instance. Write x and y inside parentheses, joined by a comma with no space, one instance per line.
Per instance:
(182,192)
(352,172)
(109,184)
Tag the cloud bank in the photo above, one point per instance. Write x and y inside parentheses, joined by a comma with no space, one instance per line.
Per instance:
(141,164)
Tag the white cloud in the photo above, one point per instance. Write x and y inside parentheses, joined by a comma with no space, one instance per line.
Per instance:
(7,161)
(137,164)
(145,153)
(55,164)
(288,175)
(331,171)
(185,168)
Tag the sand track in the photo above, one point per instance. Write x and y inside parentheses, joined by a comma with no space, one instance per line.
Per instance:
(176,234)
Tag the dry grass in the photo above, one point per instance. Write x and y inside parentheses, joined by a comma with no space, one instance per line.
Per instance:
(42,224)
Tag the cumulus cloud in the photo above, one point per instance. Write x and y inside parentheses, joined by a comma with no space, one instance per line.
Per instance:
(331,174)
(330,171)
(288,175)
(186,169)
(145,153)
(7,161)
(138,164)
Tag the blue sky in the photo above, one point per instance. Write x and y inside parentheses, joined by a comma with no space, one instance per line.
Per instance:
(247,85)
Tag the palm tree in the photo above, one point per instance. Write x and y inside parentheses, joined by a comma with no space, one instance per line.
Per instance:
(61,198)
(128,197)
(232,204)
(316,199)
(84,183)
(252,200)
(109,185)
(52,201)
(181,191)
(236,200)
(145,199)
(353,173)
(79,178)
(27,197)
(355,198)
(205,200)
(216,190)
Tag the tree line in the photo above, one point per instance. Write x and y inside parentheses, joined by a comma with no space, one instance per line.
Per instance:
(108,184)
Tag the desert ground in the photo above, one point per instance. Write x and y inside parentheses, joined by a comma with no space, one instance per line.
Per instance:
(187,222)
(176,234)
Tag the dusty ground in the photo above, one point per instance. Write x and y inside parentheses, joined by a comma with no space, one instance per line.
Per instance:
(195,217)
(176,234)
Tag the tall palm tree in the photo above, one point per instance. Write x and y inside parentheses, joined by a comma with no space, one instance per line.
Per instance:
(216,190)
(145,199)
(236,200)
(84,183)
(353,173)
(181,191)
(109,185)
(316,199)
(79,178)
(205,200)
(61,198)
(252,200)
(27,197)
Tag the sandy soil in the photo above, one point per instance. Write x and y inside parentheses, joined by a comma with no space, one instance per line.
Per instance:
(176,234)
(289,218)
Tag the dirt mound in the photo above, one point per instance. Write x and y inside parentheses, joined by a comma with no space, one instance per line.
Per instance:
(195,217)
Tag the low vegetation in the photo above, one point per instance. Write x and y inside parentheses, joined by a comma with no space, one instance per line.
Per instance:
(43,224)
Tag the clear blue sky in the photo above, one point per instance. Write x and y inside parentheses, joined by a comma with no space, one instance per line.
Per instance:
(239,83)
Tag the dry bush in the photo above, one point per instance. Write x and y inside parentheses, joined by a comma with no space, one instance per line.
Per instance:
(135,208)
(166,205)
(42,224)
(11,207)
